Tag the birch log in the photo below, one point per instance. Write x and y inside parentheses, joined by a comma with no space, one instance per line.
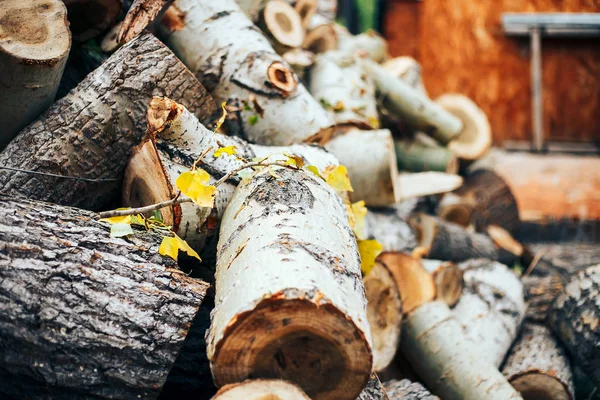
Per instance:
(300,60)
(90,18)
(510,251)
(389,227)
(282,24)
(338,81)
(407,390)
(575,317)
(384,312)
(139,15)
(306,9)
(85,315)
(450,242)
(408,69)
(238,65)
(261,389)
(370,43)
(491,308)
(434,343)
(34,45)
(321,35)
(538,367)
(417,110)
(327,8)
(91,132)
(414,156)
(374,390)
(311,312)
(448,279)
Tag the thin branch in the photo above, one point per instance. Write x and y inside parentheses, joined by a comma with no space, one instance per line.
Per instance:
(28,171)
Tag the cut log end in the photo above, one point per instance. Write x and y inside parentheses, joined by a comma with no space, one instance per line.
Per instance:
(536,385)
(283,23)
(306,9)
(384,312)
(89,18)
(261,389)
(285,338)
(448,278)
(161,113)
(282,78)
(321,39)
(459,214)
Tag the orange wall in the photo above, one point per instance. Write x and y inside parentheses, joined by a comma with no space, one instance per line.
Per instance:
(462,48)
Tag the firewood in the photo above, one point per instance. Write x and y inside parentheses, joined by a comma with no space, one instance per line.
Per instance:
(450,242)
(407,69)
(434,343)
(90,18)
(384,312)
(388,225)
(83,59)
(91,133)
(374,390)
(34,45)
(419,184)
(307,307)
(448,279)
(306,9)
(491,308)
(484,199)
(575,317)
(338,81)
(300,60)
(418,111)
(321,35)
(234,75)
(415,156)
(540,293)
(261,389)
(110,41)
(510,251)
(407,390)
(86,315)
(282,24)
(370,43)
(475,138)
(538,367)
(327,9)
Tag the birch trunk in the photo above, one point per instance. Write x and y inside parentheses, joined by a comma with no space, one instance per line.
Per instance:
(448,279)
(407,69)
(417,110)
(338,81)
(90,18)
(384,312)
(283,111)
(311,312)
(407,390)
(34,45)
(91,132)
(434,343)
(261,389)
(450,242)
(85,315)
(370,43)
(491,308)
(575,317)
(538,367)
(374,390)
(389,227)
(414,156)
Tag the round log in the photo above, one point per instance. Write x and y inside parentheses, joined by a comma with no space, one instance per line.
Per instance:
(448,279)
(414,156)
(306,305)
(321,35)
(34,45)
(538,367)
(83,314)
(407,390)
(540,293)
(575,317)
(261,389)
(408,69)
(434,343)
(510,251)
(327,9)
(384,312)
(306,9)
(300,60)
(213,40)
(419,184)
(374,390)
(388,226)
(91,132)
(90,18)
(282,24)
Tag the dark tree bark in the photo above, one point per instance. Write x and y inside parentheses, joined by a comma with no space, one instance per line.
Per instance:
(407,390)
(374,390)
(92,131)
(84,315)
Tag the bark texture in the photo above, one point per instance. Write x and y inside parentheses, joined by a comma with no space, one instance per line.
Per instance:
(370,43)
(374,390)
(290,302)
(34,45)
(91,132)
(84,315)
(140,14)
(407,390)
(538,367)
(90,18)
(575,319)
(236,63)
(540,292)
(260,389)
(388,225)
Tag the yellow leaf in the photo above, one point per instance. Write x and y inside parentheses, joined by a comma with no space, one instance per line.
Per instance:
(169,247)
(222,119)
(225,150)
(359,212)
(314,170)
(374,122)
(369,250)
(120,230)
(294,160)
(338,178)
(192,184)
(184,246)
(125,219)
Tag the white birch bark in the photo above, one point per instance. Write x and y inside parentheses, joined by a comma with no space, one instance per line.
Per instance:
(289,293)
(408,69)
(433,341)
(327,8)
(321,35)
(261,389)
(389,227)
(371,43)
(232,58)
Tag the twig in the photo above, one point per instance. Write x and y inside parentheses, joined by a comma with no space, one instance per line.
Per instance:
(28,171)
(534,262)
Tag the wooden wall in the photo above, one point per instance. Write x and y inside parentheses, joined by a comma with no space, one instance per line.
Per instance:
(462,48)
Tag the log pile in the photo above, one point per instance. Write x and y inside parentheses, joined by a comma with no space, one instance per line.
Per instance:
(243,200)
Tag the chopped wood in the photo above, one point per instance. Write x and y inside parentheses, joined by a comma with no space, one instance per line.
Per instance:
(300,60)
(92,132)
(374,390)
(90,18)
(86,315)
(448,278)
(538,367)
(389,226)
(407,390)
(327,9)
(282,24)
(34,46)
(140,14)
(408,69)
(306,9)
(306,306)
(540,292)
(510,251)
(370,43)
(261,389)
(321,35)
(415,156)
(419,184)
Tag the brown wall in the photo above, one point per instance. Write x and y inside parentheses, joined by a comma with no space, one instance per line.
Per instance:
(462,48)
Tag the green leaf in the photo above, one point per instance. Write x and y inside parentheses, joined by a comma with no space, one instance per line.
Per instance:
(253,119)
(120,230)
(157,215)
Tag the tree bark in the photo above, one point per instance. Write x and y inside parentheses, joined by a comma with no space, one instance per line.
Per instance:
(384,313)
(327,9)
(311,312)
(261,389)
(139,15)
(450,242)
(434,343)
(407,390)
(484,199)
(538,367)
(374,390)
(90,18)
(417,110)
(491,308)
(540,292)
(408,69)
(575,318)
(85,315)
(219,57)
(370,43)
(389,227)
(82,60)
(34,45)
(448,279)
(414,156)
(338,81)
(91,132)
